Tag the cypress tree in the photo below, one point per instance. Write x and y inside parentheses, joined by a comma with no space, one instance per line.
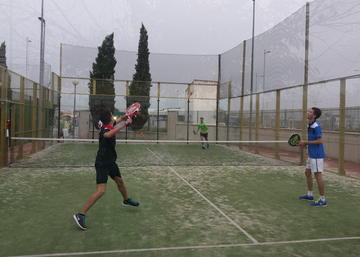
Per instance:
(139,89)
(3,54)
(103,70)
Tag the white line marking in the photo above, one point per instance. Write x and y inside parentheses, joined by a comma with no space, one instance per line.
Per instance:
(213,205)
(191,247)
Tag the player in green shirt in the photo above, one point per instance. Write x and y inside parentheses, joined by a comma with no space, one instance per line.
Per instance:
(203,127)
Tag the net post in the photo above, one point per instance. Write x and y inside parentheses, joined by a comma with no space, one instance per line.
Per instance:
(277,124)
(257,125)
(3,117)
(306,82)
(341,168)
(34,116)
(21,117)
(158,112)
(228,112)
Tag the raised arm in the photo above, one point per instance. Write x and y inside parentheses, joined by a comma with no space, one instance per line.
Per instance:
(113,132)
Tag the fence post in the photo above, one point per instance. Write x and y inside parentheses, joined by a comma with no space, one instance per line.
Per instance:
(257,125)
(217,98)
(228,112)
(59,106)
(3,118)
(306,81)
(158,112)
(242,94)
(127,95)
(188,114)
(34,117)
(21,117)
(342,114)
(277,124)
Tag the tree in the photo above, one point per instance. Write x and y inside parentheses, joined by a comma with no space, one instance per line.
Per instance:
(3,63)
(139,89)
(103,71)
(3,54)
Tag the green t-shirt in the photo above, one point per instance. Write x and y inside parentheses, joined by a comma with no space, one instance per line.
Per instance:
(203,128)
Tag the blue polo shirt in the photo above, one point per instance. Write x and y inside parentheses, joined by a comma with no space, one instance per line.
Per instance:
(314,133)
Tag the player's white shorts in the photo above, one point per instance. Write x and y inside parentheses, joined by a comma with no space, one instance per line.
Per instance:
(316,165)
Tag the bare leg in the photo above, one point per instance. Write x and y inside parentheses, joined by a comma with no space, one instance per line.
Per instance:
(100,191)
(309,180)
(320,182)
(121,187)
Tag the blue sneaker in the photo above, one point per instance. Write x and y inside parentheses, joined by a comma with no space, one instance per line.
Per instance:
(130,202)
(80,220)
(306,197)
(319,203)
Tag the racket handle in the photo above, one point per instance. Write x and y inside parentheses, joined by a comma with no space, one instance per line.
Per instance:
(128,121)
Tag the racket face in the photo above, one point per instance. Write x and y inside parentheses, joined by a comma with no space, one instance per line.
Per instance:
(194,132)
(294,140)
(132,109)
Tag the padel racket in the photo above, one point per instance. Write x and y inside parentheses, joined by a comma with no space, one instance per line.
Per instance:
(133,110)
(294,140)
(194,132)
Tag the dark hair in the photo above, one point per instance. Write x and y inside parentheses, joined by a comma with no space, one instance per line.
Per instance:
(105,116)
(317,112)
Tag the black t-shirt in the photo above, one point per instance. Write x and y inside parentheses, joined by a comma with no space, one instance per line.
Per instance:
(106,153)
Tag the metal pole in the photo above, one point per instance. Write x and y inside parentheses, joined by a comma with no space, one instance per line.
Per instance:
(42,44)
(252,70)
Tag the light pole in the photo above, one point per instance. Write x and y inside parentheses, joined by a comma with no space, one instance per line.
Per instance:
(27,56)
(264,70)
(75,83)
(252,69)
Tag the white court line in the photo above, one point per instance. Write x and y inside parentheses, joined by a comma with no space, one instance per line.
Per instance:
(213,205)
(192,247)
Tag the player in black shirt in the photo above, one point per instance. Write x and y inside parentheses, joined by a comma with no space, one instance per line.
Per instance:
(106,166)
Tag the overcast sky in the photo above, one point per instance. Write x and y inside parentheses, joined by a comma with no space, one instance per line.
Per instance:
(174,26)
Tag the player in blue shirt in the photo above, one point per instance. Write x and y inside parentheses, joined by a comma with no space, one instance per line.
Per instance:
(316,155)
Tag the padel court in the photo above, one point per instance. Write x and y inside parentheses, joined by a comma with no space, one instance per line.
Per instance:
(193,202)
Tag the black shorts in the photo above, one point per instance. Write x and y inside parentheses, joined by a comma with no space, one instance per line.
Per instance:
(205,135)
(103,171)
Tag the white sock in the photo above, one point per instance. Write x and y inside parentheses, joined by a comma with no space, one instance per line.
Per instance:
(310,193)
(322,198)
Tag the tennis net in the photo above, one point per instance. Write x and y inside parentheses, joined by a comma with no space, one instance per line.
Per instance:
(132,153)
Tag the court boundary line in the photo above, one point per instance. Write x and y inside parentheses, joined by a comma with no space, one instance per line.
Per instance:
(174,248)
(207,200)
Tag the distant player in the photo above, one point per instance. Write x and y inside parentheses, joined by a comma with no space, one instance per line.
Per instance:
(106,166)
(203,127)
(315,162)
